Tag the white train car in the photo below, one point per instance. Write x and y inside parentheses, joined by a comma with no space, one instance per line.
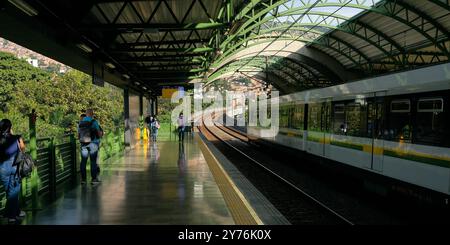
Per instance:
(395,125)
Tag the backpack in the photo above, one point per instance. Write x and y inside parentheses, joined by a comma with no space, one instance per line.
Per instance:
(86,132)
(25,164)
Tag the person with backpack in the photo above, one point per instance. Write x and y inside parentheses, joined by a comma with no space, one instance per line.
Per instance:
(89,135)
(155,127)
(10,146)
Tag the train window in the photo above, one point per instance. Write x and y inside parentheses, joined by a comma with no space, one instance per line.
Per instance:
(355,119)
(284,116)
(375,112)
(298,116)
(430,105)
(400,106)
(314,117)
(339,119)
(399,126)
(431,128)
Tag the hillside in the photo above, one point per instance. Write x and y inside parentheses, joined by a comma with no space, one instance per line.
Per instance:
(59,99)
(24,53)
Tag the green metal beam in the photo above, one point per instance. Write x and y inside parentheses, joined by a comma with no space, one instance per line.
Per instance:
(393,12)
(156,72)
(299,12)
(164,58)
(159,66)
(151,28)
(163,50)
(168,42)
(275,64)
(253,22)
(261,64)
(324,44)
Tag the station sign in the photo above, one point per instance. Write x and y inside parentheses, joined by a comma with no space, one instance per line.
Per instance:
(167,92)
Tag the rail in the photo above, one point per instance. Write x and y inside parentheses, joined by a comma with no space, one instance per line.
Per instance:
(299,190)
(58,161)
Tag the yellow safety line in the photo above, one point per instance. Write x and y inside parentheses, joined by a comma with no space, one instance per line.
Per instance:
(242,212)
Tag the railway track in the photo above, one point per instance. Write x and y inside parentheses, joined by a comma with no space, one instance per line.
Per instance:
(298,206)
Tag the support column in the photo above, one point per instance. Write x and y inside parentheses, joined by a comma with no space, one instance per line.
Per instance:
(126,117)
(150,105)
(156,105)
(33,152)
(141,117)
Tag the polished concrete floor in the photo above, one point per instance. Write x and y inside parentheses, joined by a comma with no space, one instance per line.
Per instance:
(159,183)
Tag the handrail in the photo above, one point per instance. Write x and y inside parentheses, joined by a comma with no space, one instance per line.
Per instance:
(54,156)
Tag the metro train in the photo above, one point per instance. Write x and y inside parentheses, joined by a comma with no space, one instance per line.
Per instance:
(396,125)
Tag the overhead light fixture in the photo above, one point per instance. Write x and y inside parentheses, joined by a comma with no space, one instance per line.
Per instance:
(145,88)
(137,83)
(84,47)
(126,76)
(25,7)
(110,65)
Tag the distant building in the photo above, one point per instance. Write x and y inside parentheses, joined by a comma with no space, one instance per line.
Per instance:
(63,69)
(33,62)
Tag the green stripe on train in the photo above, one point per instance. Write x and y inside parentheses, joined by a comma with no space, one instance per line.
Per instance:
(427,160)
(313,139)
(410,157)
(291,134)
(347,145)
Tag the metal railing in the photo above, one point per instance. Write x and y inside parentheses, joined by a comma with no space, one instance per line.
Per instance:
(57,161)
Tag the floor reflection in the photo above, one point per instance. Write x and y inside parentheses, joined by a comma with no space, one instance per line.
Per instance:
(149,185)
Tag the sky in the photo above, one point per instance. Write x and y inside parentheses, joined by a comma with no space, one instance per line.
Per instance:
(344,11)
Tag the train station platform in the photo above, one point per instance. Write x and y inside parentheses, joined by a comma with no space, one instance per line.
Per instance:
(161,183)
(165,182)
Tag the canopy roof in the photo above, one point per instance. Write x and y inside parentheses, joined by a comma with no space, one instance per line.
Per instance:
(301,44)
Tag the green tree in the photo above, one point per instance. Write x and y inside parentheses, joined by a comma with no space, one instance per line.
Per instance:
(57,99)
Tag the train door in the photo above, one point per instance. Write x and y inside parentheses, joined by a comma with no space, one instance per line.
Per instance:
(326,127)
(376,123)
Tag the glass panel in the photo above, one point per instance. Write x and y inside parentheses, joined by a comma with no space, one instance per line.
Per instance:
(400,106)
(353,120)
(284,116)
(297,116)
(431,125)
(314,115)
(375,112)
(398,126)
(339,119)
(430,105)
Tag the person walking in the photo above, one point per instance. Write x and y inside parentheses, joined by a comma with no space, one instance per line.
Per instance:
(10,145)
(89,135)
(181,125)
(155,128)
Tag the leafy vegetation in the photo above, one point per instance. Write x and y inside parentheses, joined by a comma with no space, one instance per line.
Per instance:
(57,99)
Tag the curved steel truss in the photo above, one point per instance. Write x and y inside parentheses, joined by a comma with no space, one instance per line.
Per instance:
(385,36)
(145,44)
